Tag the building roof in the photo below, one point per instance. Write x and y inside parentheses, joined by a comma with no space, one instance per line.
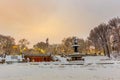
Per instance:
(31,54)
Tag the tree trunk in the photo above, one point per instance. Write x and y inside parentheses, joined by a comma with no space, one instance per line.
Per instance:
(107,51)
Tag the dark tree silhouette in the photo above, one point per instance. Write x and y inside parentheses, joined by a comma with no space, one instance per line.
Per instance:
(100,37)
(6,44)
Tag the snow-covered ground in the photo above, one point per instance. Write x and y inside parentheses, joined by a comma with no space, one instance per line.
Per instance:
(32,71)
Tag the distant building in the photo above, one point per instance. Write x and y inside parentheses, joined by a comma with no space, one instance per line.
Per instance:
(38,57)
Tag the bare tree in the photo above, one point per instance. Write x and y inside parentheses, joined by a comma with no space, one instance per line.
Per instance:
(88,43)
(94,39)
(41,46)
(23,43)
(100,37)
(6,44)
(115,31)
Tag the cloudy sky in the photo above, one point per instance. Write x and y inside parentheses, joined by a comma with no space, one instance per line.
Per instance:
(37,20)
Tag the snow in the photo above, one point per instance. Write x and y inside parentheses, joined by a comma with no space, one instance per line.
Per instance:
(44,71)
(13,58)
(61,59)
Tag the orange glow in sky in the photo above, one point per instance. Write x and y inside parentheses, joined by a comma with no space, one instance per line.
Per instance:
(37,20)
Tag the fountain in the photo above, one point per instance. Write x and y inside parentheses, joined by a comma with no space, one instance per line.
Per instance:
(75,46)
(76,56)
(72,59)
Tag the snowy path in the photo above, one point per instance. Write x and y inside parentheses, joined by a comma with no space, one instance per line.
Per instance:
(59,72)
